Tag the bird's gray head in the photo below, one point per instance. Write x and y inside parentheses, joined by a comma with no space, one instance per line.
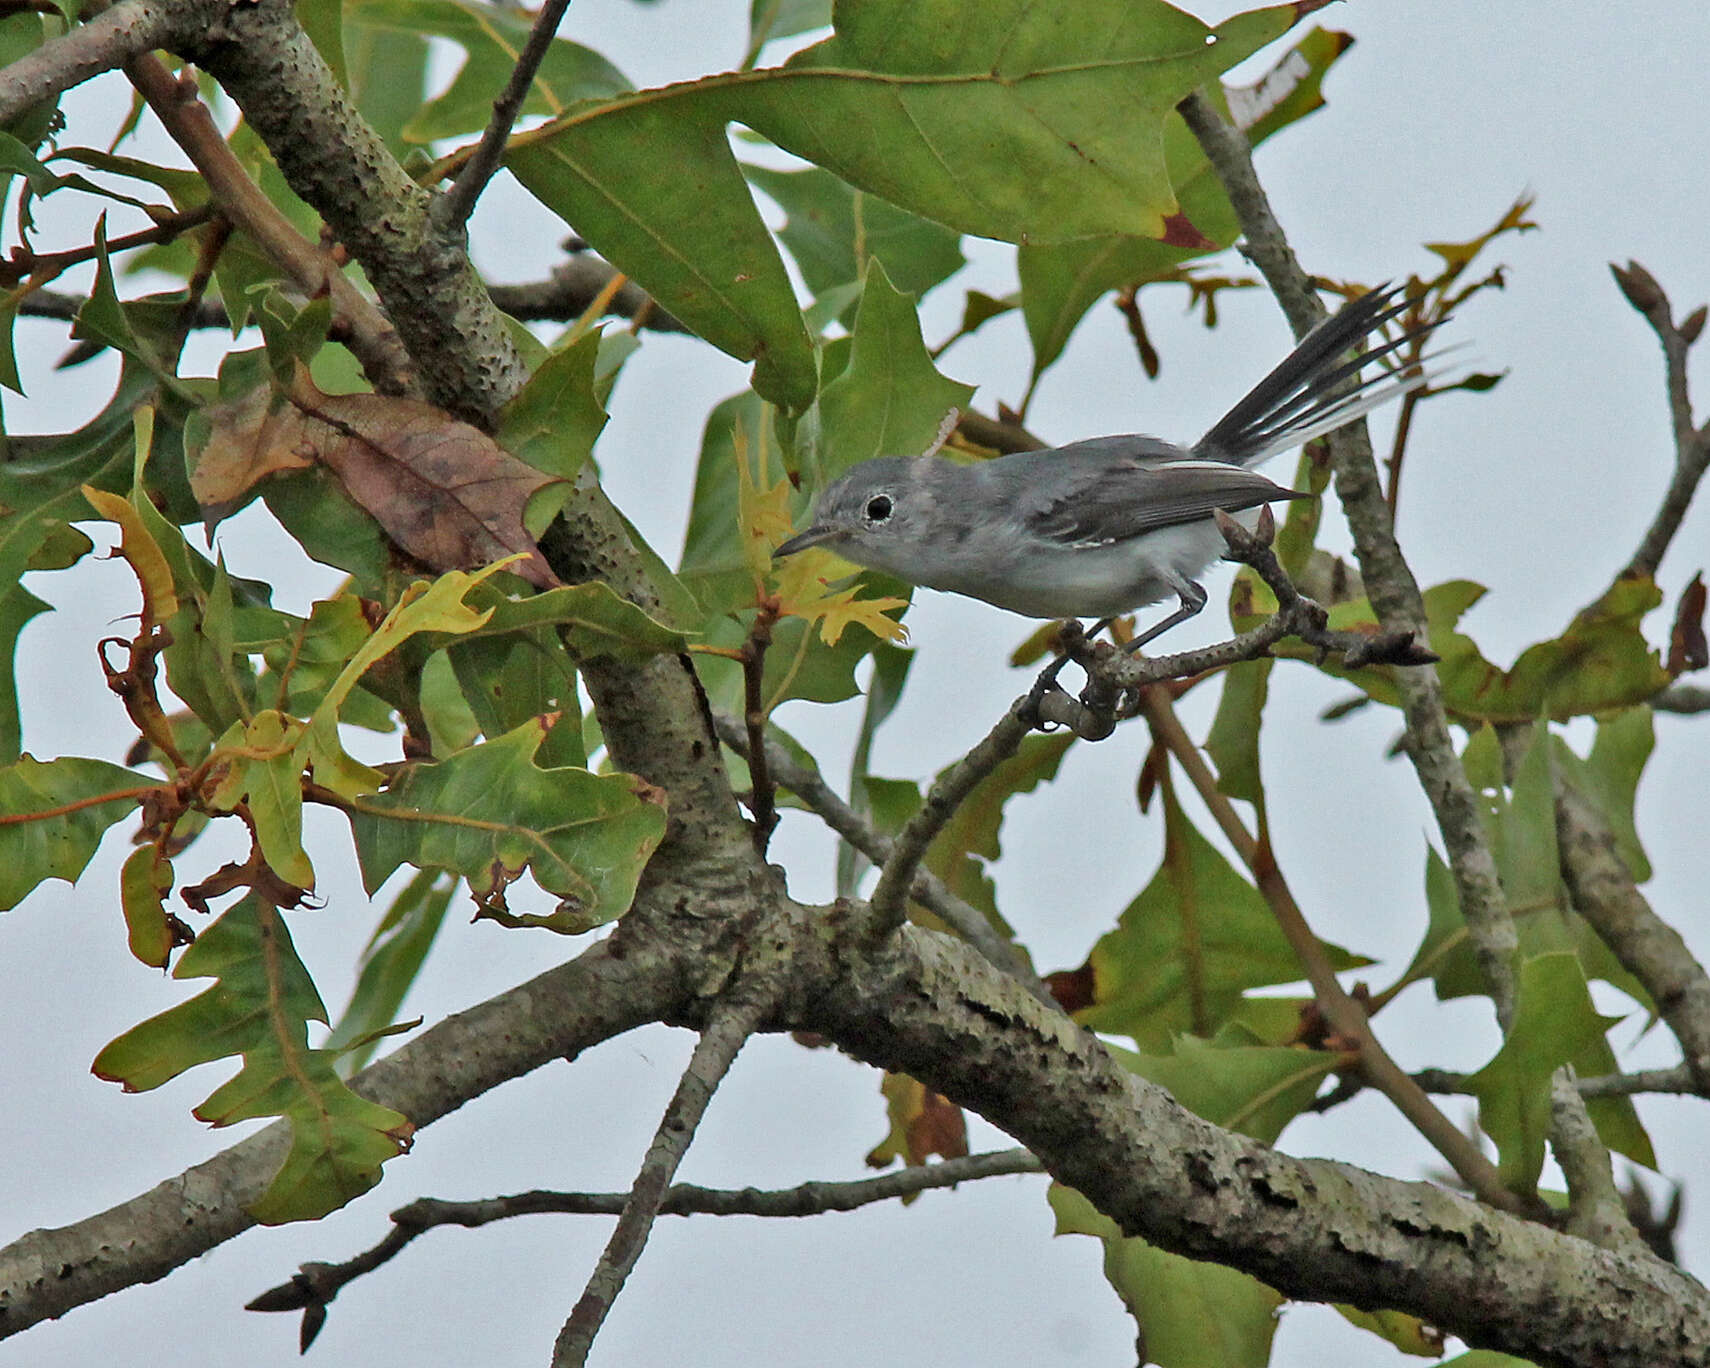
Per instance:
(874,513)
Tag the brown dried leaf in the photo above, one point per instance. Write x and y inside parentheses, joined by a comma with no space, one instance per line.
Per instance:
(1687,648)
(442,490)
(248,440)
(923,1123)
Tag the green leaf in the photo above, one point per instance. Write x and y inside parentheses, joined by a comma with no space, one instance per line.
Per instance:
(695,242)
(315,654)
(268,773)
(713,565)
(312,506)
(390,963)
(41,487)
(260,1008)
(592,618)
(104,319)
(1407,1333)
(435,607)
(54,813)
(1061,281)
(968,845)
(1485,1358)
(834,230)
(554,419)
(492,38)
(144,882)
(1189,1314)
(1254,1089)
(323,21)
(769,20)
(890,400)
(1609,776)
(1554,1024)
(1234,740)
(1030,95)
(508,680)
(489,814)
(1601,663)
(387,74)
(17,606)
(884,692)
(1186,949)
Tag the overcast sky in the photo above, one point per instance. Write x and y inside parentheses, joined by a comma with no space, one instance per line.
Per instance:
(1436,120)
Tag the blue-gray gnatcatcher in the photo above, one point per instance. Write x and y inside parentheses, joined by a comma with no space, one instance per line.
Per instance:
(1102,527)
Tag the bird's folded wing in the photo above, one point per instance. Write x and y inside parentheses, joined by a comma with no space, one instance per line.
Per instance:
(1128,500)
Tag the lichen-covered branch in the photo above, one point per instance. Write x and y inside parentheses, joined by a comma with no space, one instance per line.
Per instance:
(1313,1229)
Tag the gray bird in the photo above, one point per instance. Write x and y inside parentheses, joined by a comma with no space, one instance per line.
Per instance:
(1103,527)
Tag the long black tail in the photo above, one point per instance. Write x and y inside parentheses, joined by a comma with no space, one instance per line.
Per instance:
(1309,393)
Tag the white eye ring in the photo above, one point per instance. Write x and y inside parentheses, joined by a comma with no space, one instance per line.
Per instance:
(879,508)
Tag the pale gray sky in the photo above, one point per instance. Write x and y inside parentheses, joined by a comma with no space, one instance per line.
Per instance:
(1437,119)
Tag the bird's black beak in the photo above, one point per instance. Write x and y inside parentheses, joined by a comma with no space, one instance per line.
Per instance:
(814,536)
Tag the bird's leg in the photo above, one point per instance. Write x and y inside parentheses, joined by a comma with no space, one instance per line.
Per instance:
(1193,602)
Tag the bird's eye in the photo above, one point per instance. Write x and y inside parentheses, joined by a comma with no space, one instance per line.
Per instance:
(879,508)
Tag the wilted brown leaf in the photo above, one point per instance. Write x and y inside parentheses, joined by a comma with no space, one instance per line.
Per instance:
(444,491)
(923,1123)
(1687,649)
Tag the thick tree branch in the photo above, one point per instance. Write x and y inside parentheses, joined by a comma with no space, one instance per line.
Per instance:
(566,1010)
(1313,1229)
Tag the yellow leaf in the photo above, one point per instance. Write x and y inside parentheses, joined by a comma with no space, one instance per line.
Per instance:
(435,607)
(842,608)
(138,546)
(762,517)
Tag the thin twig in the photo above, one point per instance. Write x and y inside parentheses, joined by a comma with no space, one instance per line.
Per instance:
(106,42)
(1691,444)
(1346,1018)
(1603,892)
(458,202)
(761,800)
(729,1027)
(315,1285)
(46,266)
(928,889)
(889,903)
(1117,679)
(357,321)
(1682,698)
(1676,1081)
